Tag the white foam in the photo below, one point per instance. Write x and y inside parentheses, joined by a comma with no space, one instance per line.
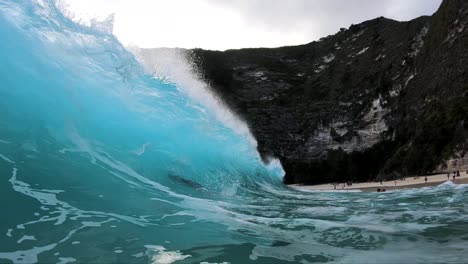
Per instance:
(159,255)
(48,197)
(6,159)
(65,150)
(25,238)
(141,150)
(66,260)
(139,255)
(274,166)
(320,210)
(29,146)
(26,256)
(291,252)
(105,26)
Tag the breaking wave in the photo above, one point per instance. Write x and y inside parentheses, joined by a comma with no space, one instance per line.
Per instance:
(108,156)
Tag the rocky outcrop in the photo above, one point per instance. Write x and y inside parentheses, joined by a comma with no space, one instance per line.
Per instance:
(379,99)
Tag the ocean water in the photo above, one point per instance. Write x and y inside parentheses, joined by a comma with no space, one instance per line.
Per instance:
(104,160)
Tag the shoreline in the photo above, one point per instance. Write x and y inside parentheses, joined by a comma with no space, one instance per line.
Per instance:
(407,183)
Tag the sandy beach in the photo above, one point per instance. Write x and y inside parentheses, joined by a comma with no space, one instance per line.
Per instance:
(409,182)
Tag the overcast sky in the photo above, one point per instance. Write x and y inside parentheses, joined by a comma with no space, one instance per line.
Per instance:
(228,24)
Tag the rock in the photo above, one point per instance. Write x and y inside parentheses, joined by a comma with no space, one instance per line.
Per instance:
(379,99)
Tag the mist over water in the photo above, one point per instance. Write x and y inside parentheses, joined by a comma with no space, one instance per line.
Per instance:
(109,156)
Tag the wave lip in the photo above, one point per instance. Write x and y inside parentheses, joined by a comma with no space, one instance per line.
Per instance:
(173,66)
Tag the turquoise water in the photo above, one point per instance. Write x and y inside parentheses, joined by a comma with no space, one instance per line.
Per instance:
(101,162)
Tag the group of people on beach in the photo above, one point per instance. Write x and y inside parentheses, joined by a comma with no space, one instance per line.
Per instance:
(348,184)
(455,174)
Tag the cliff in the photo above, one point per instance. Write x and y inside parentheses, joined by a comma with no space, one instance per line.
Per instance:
(381,99)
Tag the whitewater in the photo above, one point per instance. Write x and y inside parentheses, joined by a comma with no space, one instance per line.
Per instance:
(116,156)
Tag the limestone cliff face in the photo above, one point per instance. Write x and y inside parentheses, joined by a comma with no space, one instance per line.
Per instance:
(379,99)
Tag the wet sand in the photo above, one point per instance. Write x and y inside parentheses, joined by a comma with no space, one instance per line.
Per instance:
(409,182)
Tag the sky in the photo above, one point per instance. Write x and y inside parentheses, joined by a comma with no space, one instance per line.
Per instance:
(232,24)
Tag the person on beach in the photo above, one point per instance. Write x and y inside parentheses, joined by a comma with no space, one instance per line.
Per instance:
(458,173)
(454,175)
(425,179)
(448,175)
(381,183)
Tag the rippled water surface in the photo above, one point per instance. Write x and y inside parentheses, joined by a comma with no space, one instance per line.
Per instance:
(101,162)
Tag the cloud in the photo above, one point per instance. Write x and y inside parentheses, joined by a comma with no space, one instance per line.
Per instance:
(228,24)
(318,18)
